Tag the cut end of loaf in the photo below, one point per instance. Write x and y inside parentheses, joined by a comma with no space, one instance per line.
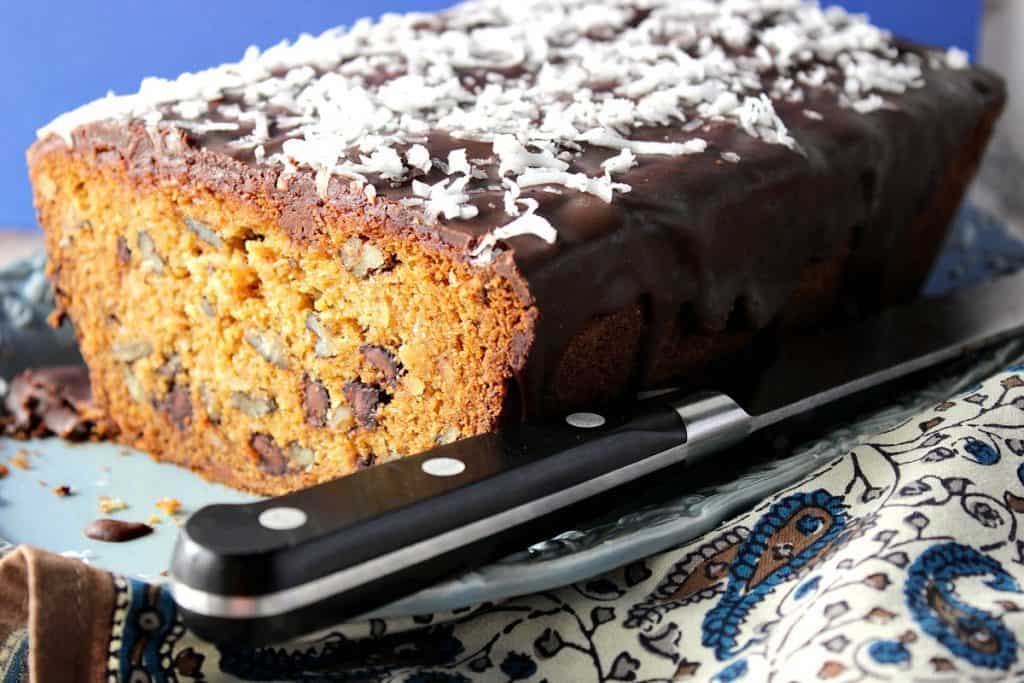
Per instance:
(218,341)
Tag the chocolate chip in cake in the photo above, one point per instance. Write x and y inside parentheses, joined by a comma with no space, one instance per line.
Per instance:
(116,531)
(365,461)
(124,252)
(269,346)
(178,406)
(363,259)
(316,402)
(253,406)
(272,458)
(129,352)
(325,346)
(364,401)
(150,261)
(383,360)
(203,232)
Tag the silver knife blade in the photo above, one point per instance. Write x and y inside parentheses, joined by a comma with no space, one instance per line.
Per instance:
(815,370)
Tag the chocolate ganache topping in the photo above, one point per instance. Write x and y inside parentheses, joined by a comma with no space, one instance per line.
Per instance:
(669,153)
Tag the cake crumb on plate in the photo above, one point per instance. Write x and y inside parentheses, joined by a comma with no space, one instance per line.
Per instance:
(109,504)
(169,506)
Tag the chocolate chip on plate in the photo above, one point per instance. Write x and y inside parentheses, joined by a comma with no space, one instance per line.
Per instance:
(116,531)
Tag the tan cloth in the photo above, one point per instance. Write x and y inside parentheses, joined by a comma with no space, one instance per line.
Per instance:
(66,606)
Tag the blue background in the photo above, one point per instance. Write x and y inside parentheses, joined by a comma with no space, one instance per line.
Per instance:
(62,53)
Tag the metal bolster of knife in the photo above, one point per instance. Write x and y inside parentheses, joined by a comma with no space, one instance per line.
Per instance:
(266,559)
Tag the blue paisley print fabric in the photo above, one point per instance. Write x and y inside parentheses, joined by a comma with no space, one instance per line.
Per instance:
(901,561)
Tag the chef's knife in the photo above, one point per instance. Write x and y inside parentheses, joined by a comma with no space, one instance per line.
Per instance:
(283,567)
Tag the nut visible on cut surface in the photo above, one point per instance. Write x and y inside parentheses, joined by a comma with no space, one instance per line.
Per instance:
(316,401)
(269,346)
(341,418)
(325,345)
(203,232)
(210,404)
(300,455)
(207,308)
(129,352)
(448,435)
(253,406)
(414,385)
(383,360)
(365,461)
(272,458)
(134,386)
(150,261)
(361,258)
(364,400)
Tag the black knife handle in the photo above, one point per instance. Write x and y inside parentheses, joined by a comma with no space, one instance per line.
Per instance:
(272,570)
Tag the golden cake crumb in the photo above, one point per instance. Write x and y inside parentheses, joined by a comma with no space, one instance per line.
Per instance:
(154,519)
(20,460)
(3,471)
(62,491)
(169,506)
(109,504)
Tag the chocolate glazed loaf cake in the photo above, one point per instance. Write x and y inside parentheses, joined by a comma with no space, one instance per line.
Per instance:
(352,247)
